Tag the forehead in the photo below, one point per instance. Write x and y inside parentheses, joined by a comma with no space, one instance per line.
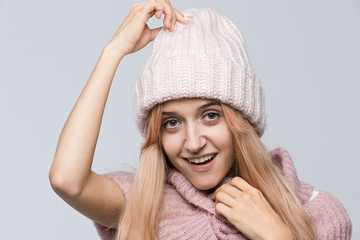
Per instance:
(188,103)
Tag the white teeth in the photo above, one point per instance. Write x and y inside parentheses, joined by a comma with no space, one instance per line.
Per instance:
(201,160)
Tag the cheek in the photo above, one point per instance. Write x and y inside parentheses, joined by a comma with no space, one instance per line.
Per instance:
(222,137)
(170,146)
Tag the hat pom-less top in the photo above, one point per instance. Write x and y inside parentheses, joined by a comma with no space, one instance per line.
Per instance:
(204,58)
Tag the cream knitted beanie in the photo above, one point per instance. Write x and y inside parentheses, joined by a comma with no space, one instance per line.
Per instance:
(204,58)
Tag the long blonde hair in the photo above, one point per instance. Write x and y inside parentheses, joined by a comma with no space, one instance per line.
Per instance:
(140,216)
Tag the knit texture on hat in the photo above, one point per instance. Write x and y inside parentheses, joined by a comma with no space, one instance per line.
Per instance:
(204,58)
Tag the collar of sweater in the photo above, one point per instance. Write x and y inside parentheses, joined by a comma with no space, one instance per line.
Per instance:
(200,199)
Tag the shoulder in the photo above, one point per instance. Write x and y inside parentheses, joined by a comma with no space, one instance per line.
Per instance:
(327,215)
(282,159)
(122,179)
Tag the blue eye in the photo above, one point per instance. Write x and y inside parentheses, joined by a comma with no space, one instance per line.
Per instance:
(171,123)
(211,116)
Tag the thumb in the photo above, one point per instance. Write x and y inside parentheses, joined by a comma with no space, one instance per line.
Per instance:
(154,32)
(213,195)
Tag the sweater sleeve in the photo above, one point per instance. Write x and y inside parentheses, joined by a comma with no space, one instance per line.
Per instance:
(328,217)
(123,180)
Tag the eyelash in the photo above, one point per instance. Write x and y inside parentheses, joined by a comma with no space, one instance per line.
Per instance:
(168,121)
(216,116)
(165,124)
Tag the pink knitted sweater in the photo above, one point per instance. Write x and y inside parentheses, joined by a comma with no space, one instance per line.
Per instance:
(190,213)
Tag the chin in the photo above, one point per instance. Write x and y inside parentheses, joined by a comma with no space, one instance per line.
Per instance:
(205,185)
(203,188)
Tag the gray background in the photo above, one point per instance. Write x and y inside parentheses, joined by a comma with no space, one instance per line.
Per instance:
(306,54)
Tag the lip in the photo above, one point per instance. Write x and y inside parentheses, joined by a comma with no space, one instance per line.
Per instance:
(203,167)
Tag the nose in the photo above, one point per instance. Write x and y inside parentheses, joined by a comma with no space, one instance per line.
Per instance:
(195,139)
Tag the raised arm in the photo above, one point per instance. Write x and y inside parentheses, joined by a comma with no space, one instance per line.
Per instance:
(71,177)
(70,174)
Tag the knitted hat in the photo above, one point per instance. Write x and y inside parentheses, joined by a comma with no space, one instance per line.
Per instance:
(204,58)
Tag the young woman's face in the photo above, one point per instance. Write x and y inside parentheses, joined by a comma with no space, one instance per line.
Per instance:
(197,140)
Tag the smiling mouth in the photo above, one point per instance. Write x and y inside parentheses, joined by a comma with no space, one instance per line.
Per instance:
(202,160)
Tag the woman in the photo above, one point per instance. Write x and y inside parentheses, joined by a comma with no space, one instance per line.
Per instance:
(204,173)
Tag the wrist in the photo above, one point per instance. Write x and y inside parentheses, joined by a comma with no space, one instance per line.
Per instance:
(278,230)
(282,234)
(112,51)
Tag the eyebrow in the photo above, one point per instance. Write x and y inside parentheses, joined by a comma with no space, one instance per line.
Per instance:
(206,105)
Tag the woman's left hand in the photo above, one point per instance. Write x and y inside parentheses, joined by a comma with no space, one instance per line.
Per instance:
(246,208)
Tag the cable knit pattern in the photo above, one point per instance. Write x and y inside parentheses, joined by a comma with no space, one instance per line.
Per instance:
(204,58)
(188,213)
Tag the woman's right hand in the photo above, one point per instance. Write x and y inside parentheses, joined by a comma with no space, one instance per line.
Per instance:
(134,34)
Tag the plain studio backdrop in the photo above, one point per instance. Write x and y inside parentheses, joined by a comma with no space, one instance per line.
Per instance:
(305,53)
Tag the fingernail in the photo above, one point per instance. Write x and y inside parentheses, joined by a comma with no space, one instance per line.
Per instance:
(186,18)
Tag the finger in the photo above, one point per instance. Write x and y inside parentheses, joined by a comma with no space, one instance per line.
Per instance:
(227,188)
(213,195)
(154,32)
(170,19)
(159,9)
(222,210)
(180,17)
(158,14)
(226,199)
(241,184)
(231,190)
(166,9)
(171,14)
(173,20)
(167,21)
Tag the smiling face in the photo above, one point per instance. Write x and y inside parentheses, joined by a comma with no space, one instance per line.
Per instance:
(197,140)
